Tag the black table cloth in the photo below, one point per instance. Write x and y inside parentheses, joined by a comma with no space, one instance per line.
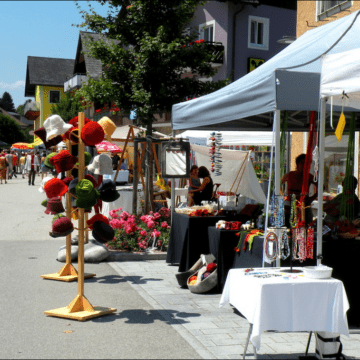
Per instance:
(222,244)
(189,239)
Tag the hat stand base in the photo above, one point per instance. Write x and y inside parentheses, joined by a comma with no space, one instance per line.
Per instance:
(80,309)
(67,273)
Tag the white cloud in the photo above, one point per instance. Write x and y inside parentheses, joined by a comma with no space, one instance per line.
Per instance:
(16,85)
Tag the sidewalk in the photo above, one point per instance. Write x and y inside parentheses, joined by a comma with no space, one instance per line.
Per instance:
(215,333)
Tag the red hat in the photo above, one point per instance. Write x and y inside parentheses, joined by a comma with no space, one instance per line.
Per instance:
(55,187)
(92,134)
(72,135)
(92,179)
(41,133)
(62,227)
(63,161)
(67,180)
(54,206)
(75,121)
(97,217)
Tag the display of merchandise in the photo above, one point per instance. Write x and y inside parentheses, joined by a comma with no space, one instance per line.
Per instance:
(271,246)
(277,211)
(299,244)
(284,252)
(215,154)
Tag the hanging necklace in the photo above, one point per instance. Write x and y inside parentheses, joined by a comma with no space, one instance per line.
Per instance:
(271,246)
(277,211)
(299,246)
(293,215)
(284,245)
(310,243)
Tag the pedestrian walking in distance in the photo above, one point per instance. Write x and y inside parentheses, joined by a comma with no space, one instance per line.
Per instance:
(31,164)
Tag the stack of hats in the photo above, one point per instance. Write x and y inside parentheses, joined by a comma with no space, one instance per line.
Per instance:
(108,126)
(55,188)
(54,206)
(54,125)
(108,192)
(215,154)
(102,232)
(62,227)
(101,165)
(86,194)
(63,161)
(95,218)
(41,133)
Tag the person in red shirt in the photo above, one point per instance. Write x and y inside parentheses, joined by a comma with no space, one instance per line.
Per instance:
(15,163)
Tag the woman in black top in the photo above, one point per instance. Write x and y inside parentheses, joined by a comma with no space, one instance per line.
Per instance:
(206,189)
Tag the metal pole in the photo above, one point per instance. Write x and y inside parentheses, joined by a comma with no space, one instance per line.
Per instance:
(172,190)
(321,180)
(277,159)
(135,176)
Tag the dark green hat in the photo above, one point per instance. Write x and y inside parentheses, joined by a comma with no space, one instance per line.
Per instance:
(87,158)
(86,195)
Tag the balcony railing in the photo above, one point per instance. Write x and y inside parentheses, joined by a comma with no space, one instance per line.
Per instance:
(75,82)
(217,49)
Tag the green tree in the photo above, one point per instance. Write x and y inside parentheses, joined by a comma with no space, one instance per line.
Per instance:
(11,132)
(144,64)
(6,102)
(20,109)
(68,107)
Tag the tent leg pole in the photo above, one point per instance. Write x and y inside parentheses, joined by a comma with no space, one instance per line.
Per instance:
(321,180)
(277,159)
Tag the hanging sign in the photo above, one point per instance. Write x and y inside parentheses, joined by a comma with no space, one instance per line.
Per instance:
(254,63)
(340,127)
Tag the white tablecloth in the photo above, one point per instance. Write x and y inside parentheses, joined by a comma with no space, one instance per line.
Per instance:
(123,176)
(124,201)
(299,304)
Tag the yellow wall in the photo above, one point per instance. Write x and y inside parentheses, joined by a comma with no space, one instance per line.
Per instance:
(38,100)
(46,106)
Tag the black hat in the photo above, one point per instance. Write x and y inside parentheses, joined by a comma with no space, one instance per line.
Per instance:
(109,195)
(102,232)
(106,185)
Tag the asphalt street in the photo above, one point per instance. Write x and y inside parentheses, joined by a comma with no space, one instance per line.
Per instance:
(136,330)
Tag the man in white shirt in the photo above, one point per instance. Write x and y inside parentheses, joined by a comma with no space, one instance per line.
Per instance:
(31,164)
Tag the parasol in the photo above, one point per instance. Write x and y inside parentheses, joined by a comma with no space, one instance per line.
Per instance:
(21,145)
(106,146)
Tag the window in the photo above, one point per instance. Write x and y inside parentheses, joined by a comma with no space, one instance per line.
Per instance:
(207,31)
(258,33)
(328,8)
(54,96)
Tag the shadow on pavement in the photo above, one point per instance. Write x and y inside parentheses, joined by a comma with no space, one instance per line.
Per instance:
(139,316)
(115,279)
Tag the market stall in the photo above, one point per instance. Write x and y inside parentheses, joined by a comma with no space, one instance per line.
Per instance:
(290,81)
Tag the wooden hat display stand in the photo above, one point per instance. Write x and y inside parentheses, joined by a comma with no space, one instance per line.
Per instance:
(68,272)
(80,308)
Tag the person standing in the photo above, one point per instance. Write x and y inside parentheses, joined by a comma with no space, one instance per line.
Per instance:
(205,191)
(22,165)
(15,163)
(31,164)
(3,165)
(9,159)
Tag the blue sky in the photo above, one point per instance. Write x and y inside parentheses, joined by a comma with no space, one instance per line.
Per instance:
(36,28)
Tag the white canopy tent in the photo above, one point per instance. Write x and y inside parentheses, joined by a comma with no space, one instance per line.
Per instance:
(288,81)
(229,138)
(339,81)
(232,160)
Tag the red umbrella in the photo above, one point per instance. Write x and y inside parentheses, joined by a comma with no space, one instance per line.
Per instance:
(106,146)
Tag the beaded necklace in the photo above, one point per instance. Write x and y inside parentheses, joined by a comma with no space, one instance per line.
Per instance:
(277,211)
(299,244)
(293,215)
(271,251)
(310,243)
(284,245)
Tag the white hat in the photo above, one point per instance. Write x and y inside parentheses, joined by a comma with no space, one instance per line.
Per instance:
(43,182)
(55,125)
(101,165)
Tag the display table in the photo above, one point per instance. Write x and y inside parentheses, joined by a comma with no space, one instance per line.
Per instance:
(123,176)
(222,244)
(189,239)
(291,304)
(124,201)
